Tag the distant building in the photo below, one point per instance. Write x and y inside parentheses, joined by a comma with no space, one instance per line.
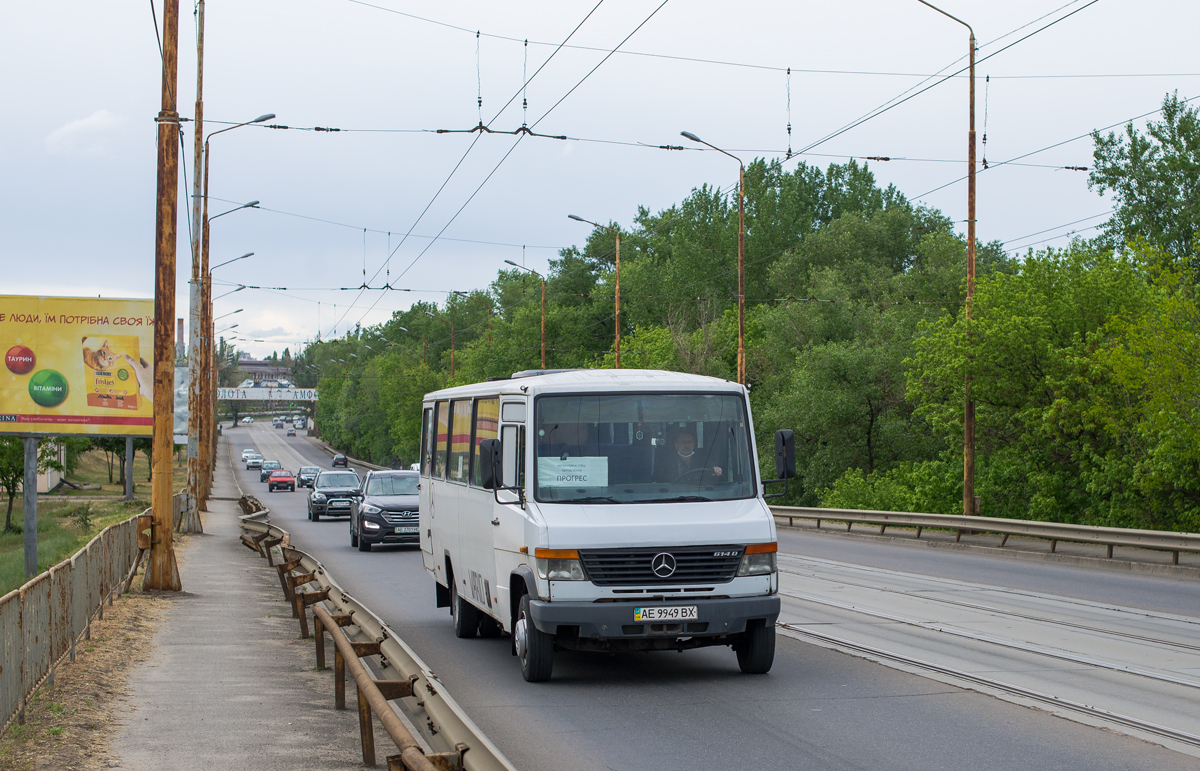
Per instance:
(259,370)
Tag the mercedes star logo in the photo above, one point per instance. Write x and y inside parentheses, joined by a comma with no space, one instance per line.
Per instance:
(663,565)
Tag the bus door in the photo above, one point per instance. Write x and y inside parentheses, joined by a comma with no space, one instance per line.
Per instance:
(428,431)
(508,521)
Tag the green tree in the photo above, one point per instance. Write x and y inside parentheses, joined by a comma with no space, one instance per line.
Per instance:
(12,468)
(1154,179)
(1042,399)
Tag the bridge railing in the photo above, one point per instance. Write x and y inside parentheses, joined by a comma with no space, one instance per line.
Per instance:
(1052,531)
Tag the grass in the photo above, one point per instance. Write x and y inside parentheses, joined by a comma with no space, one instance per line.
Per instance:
(93,470)
(65,526)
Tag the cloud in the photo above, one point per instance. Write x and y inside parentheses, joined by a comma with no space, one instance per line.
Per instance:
(276,332)
(88,137)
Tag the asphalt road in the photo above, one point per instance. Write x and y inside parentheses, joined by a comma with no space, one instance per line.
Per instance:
(817,709)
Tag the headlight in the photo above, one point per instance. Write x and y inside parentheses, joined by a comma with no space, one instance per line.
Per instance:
(759,560)
(369,509)
(369,525)
(318,497)
(559,564)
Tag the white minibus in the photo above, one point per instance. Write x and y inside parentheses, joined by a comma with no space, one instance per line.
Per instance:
(601,510)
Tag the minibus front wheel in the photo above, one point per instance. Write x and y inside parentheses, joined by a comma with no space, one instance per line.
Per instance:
(535,649)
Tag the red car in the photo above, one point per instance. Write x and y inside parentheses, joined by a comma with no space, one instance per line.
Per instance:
(281,479)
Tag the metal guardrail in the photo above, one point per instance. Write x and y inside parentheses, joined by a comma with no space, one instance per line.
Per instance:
(1160,540)
(41,621)
(457,743)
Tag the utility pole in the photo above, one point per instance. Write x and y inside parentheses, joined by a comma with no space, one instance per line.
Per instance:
(196,329)
(162,572)
(968,403)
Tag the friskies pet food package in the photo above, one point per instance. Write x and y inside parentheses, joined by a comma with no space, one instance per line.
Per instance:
(107,375)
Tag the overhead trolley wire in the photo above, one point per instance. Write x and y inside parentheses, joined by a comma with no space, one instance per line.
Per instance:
(534,125)
(464,157)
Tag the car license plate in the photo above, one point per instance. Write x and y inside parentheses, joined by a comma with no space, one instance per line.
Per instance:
(666,613)
(406,529)
(340,504)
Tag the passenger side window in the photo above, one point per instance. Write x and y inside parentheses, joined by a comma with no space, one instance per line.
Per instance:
(487,419)
(460,440)
(440,439)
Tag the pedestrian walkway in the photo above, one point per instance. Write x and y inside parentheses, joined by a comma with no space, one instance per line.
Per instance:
(229,683)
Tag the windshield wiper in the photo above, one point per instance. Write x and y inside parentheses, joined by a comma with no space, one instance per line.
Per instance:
(590,499)
(681,499)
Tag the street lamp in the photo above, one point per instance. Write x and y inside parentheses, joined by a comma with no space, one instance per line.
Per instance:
(616,233)
(223,315)
(486,305)
(235,259)
(201,405)
(250,205)
(226,329)
(240,288)
(414,334)
(543,278)
(968,403)
(741,354)
(451,323)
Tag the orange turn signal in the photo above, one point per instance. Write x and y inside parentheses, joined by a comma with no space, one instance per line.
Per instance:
(762,548)
(556,554)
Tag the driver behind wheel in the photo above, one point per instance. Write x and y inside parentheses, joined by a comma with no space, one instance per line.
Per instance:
(684,465)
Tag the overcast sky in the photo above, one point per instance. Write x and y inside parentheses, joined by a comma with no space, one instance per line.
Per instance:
(81,89)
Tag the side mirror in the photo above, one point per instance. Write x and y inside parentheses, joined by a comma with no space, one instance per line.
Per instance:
(785,462)
(489,457)
(785,454)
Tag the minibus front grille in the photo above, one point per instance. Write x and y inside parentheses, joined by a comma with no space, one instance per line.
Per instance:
(635,567)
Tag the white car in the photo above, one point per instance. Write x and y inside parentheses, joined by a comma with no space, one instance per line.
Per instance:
(247,421)
(246,453)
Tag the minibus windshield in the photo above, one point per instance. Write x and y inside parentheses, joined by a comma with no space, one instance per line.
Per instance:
(642,448)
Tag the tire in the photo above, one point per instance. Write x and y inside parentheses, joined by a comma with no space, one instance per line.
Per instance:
(535,649)
(316,516)
(756,650)
(310,512)
(489,627)
(466,618)
(362,545)
(353,536)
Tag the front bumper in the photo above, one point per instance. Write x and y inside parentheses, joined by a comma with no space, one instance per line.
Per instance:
(323,508)
(615,620)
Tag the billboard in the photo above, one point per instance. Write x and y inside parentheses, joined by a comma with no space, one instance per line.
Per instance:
(259,393)
(75,365)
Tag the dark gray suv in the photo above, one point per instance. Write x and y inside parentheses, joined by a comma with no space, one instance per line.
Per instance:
(333,494)
(387,511)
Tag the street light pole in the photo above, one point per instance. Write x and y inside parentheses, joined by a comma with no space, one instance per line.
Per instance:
(451,323)
(543,278)
(195,474)
(616,233)
(741,353)
(968,402)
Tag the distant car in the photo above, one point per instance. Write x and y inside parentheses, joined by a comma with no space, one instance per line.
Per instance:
(415,467)
(340,460)
(306,475)
(387,511)
(281,479)
(254,461)
(247,420)
(276,423)
(291,432)
(333,493)
(246,453)
(266,468)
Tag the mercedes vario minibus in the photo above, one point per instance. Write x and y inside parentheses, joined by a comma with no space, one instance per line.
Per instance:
(601,510)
